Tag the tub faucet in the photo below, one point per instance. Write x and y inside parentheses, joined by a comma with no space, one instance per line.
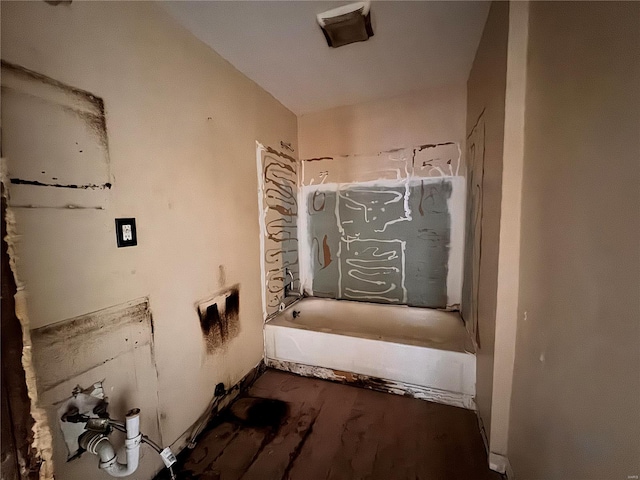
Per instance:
(288,284)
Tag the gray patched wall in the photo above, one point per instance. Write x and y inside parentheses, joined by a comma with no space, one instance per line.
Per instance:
(387,244)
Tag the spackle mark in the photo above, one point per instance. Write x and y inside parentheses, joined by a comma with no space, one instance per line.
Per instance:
(63,207)
(278,189)
(280,154)
(373,267)
(318,159)
(90,186)
(432,145)
(370,260)
(287,146)
(320,207)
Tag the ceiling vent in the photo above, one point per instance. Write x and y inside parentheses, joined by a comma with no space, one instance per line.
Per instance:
(347,24)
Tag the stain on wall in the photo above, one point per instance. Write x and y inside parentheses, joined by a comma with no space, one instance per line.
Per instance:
(220,319)
(278,197)
(57,141)
(93,340)
(387,238)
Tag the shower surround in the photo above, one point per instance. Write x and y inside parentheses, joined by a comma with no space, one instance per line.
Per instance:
(384,228)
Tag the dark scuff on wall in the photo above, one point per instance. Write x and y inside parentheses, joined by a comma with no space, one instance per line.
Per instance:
(95,339)
(220,318)
(87,105)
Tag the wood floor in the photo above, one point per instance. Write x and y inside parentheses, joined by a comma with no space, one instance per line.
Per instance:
(310,429)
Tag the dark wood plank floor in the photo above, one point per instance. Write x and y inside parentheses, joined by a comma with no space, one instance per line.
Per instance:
(328,431)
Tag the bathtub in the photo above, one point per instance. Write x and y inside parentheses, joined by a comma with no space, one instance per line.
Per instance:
(407,350)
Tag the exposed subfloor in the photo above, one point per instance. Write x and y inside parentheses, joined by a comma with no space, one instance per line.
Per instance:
(310,429)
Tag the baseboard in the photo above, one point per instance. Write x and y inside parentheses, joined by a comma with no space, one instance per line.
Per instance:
(500,463)
(373,383)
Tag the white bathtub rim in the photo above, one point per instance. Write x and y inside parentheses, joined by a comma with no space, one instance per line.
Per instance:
(280,320)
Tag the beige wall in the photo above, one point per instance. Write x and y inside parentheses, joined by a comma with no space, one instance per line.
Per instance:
(182,125)
(485,93)
(574,408)
(432,116)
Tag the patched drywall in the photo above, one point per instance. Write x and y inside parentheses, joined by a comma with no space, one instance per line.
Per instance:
(181,125)
(114,346)
(484,147)
(278,179)
(576,381)
(384,228)
(59,132)
(402,262)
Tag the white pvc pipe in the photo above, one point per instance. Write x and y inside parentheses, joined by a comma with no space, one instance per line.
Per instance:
(109,460)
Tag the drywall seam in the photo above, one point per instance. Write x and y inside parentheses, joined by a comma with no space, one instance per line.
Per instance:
(509,246)
(42,439)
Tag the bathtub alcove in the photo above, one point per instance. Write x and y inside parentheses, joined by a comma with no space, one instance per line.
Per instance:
(413,351)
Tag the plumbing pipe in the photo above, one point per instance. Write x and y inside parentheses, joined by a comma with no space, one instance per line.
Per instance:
(99,444)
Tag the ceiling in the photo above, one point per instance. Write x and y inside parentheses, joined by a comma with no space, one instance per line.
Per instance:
(417,44)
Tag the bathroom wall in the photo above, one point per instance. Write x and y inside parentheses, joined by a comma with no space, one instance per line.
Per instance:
(278,178)
(576,383)
(165,131)
(384,228)
(385,180)
(485,136)
(431,116)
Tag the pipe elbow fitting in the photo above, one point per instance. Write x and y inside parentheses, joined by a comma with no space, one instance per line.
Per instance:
(98,443)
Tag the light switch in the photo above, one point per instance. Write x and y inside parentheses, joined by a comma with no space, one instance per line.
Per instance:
(126,232)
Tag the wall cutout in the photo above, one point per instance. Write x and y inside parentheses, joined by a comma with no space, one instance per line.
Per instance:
(55,139)
(114,346)
(220,318)
(473,237)
(384,228)
(278,210)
